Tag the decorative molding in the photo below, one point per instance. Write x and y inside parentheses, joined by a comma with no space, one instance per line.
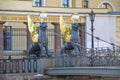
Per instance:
(35,18)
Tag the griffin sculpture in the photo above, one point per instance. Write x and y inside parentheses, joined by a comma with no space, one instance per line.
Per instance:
(39,48)
(71,38)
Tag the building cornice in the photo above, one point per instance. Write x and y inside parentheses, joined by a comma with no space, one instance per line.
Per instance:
(53,14)
(59,10)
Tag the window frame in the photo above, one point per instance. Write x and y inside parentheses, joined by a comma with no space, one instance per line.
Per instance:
(68,5)
(7,37)
(38,3)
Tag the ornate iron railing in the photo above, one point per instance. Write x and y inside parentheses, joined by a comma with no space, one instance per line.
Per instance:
(96,57)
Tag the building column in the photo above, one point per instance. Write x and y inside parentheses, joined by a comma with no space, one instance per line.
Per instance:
(1,39)
(57,37)
(82,34)
(29,40)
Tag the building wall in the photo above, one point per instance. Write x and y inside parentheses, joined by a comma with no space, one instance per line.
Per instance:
(104,28)
(116,3)
(13,5)
(94,3)
(118,31)
(57,3)
(79,3)
(53,3)
(17,4)
(27,5)
(19,38)
(116,8)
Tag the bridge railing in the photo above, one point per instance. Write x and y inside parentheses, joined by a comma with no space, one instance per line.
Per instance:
(89,57)
(25,65)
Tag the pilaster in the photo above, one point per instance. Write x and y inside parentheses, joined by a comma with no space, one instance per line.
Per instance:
(57,37)
(82,34)
(1,38)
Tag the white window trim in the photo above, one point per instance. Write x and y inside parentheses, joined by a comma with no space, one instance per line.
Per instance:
(33,3)
(43,2)
(70,3)
(61,3)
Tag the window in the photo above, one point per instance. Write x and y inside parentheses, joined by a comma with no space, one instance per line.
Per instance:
(19,38)
(107,6)
(14,38)
(7,32)
(38,3)
(66,3)
(50,39)
(85,3)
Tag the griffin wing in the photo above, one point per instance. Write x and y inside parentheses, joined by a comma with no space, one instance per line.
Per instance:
(33,30)
(65,30)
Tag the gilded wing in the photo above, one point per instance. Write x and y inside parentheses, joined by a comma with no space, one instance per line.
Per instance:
(33,30)
(65,30)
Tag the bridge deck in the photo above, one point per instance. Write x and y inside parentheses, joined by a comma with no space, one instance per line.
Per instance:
(95,71)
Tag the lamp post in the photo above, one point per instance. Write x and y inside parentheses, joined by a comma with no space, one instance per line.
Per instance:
(92,17)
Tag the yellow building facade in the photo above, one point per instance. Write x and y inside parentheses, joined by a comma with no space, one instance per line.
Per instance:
(15,13)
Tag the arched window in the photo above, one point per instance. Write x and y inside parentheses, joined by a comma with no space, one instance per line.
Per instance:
(107,5)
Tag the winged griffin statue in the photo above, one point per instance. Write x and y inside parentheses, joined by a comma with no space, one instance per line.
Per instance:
(39,48)
(70,36)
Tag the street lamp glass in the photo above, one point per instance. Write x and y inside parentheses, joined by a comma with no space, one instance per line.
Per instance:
(6,23)
(43,15)
(92,15)
(75,17)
